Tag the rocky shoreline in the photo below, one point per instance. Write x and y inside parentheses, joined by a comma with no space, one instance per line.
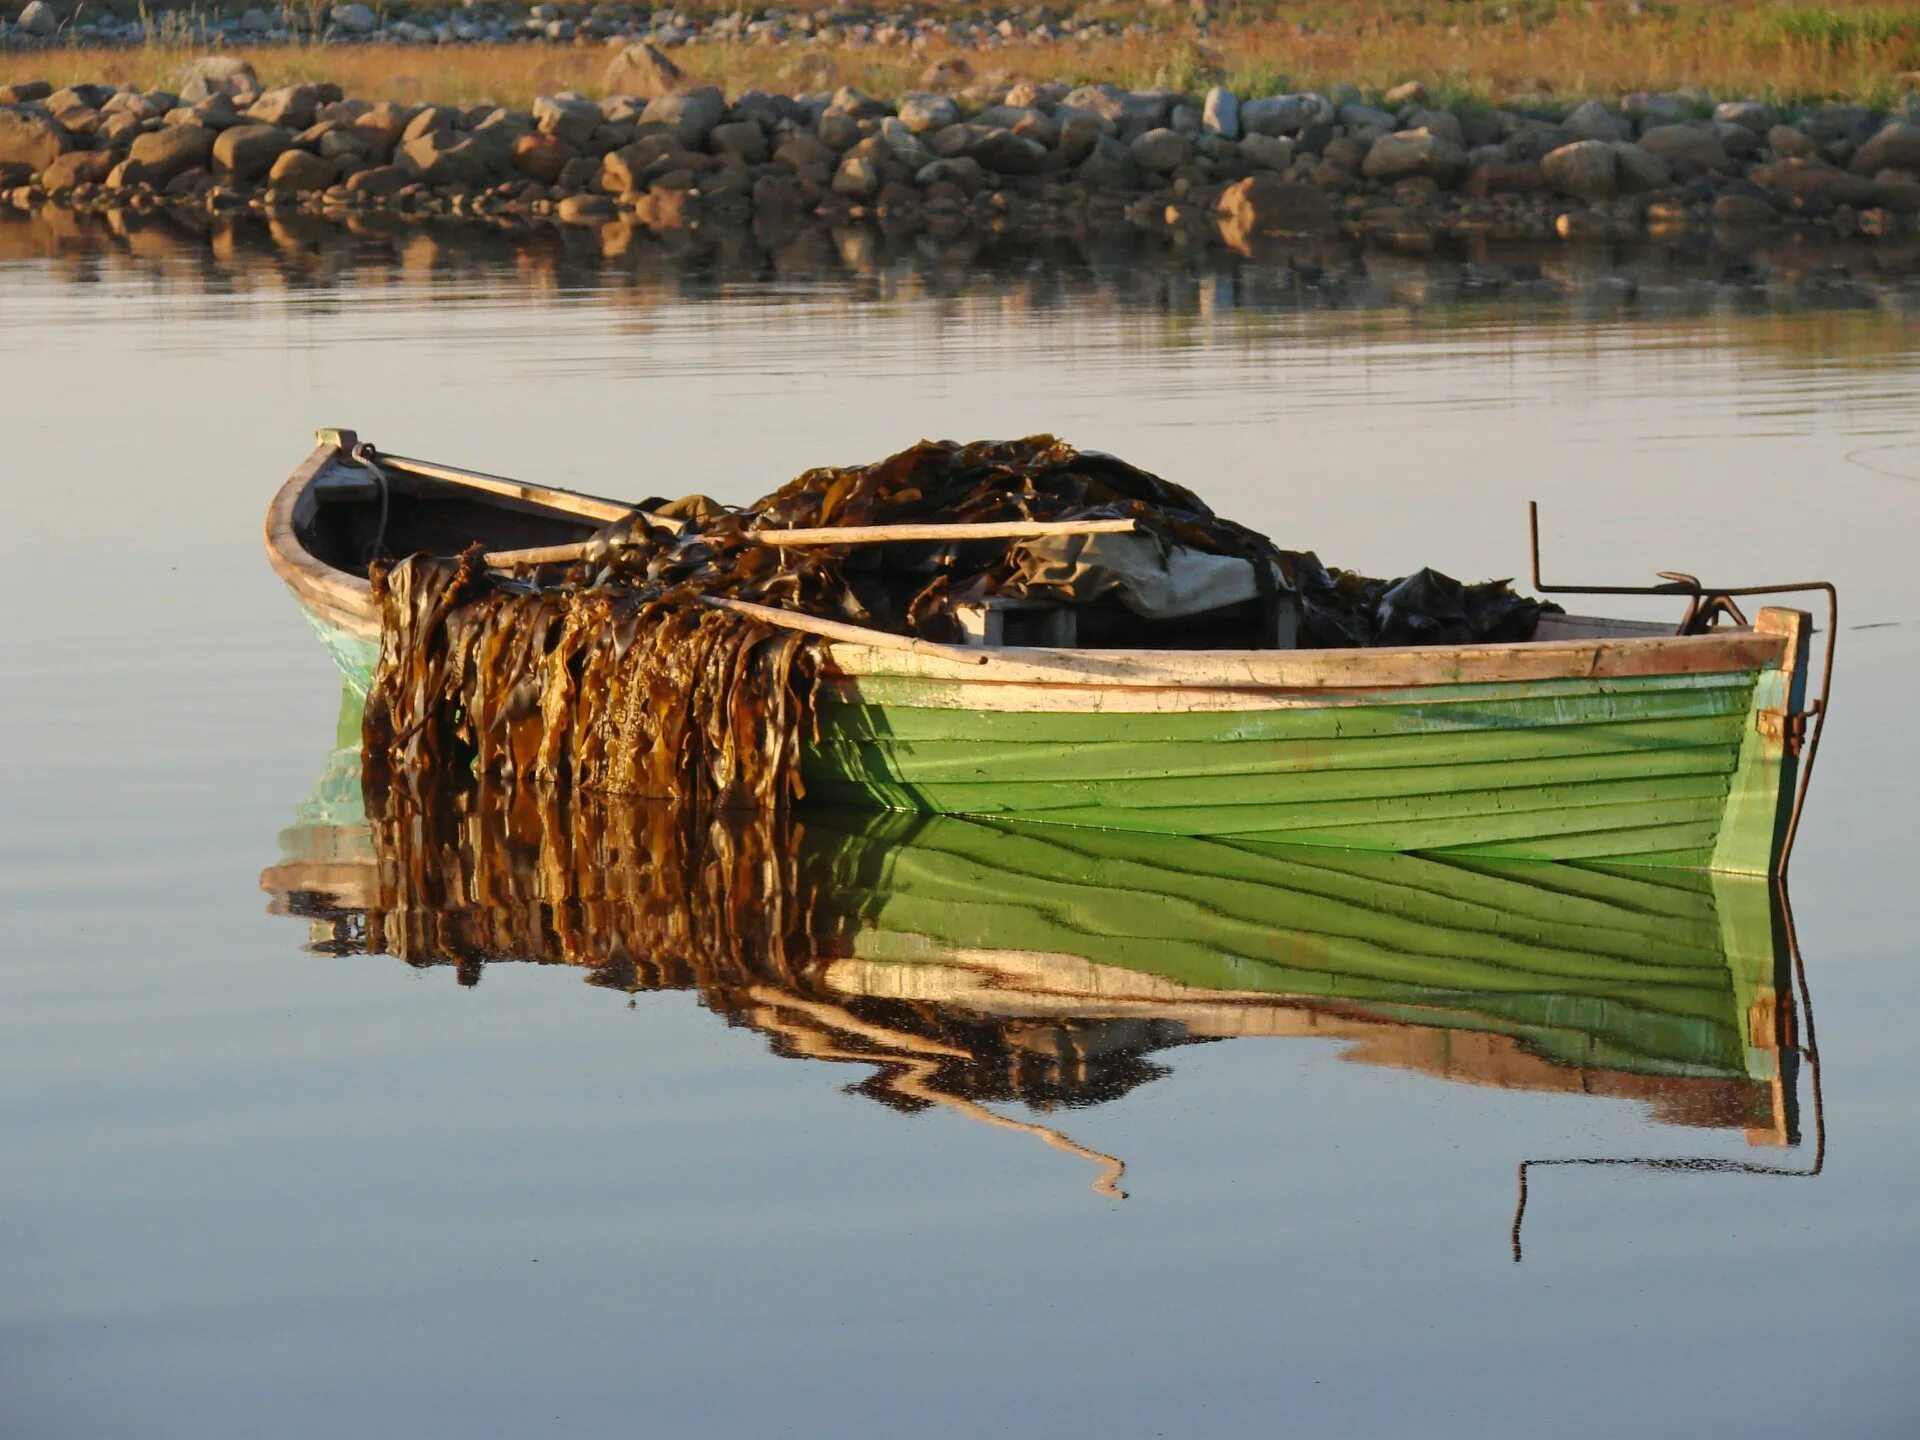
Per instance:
(666,152)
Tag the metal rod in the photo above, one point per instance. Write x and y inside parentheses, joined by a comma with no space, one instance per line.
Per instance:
(1817,710)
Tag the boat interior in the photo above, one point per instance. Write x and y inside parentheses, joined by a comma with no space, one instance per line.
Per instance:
(349,517)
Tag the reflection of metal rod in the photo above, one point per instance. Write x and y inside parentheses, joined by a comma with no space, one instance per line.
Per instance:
(1708,601)
(1710,1165)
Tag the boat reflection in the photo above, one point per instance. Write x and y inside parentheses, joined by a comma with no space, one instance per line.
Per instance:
(976,963)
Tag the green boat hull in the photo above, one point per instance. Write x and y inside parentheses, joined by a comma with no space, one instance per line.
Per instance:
(1667,770)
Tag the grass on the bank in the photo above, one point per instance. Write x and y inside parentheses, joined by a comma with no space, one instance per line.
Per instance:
(1462,49)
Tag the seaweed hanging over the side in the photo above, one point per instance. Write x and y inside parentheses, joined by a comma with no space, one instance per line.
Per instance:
(634,690)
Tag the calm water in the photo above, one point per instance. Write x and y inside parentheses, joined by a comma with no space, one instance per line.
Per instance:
(252,1189)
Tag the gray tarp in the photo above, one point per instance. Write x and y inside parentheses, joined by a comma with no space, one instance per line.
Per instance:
(1149,575)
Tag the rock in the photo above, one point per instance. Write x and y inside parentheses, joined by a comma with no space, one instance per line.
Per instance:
(540,157)
(1896,147)
(1443,123)
(1409,153)
(689,114)
(159,155)
(1161,151)
(635,166)
(1080,131)
(583,209)
(76,167)
(1006,153)
(442,157)
(1638,171)
(950,73)
(1411,92)
(963,171)
(1785,141)
(428,120)
(1586,170)
(1511,177)
(1831,124)
(1688,145)
(572,117)
(801,152)
(1284,114)
(642,71)
(1221,113)
(1593,121)
(849,101)
(665,210)
(38,19)
(302,173)
(740,138)
(922,111)
(1743,212)
(1268,152)
(29,138)
(1749,114)
(858,177)
(292,107)
(1817,180)
(212,75)
(24,92)
(1263,205)
(379,180)
(246,152)
(353,19)
(1738,141)
(1356,117)
(1108,167)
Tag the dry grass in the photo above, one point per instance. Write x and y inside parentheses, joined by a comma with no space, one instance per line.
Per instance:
(1460,48)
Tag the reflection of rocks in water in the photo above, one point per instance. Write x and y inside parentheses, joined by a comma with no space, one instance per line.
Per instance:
(972,963)
(627,264)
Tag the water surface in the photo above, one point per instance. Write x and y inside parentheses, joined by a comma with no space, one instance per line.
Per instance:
(256,1189)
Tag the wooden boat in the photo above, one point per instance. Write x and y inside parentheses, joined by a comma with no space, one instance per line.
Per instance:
(992,960)
(1599,740)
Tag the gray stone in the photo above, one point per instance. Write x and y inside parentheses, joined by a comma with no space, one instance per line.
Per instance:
(642,71)
(442,157)
(1738,141)
(1161,151)
(1833,123)
(858,177)
(961,170)
(1285,114)
(212,75)
(690,115)
(24,92)
(39,18)
(1785,141)
(1586,170)
(1102,100)
(302,173)
(1263,205)
(292,107)
(353,19)
(1006,153)
(739,137)
(1443,123)
(76,167)
(1593,121)
(1818,180)
(1691,145)
(573,118)
(1080,131)
(246,152)
(1409,153)
(1896,147)
(1220,113)
(29,138)
(861,106)
(160,155)
(922,111)
(1750,114)
(1639,170)
(1356,116)
(1267,152)
(1109,167)
(1743,212)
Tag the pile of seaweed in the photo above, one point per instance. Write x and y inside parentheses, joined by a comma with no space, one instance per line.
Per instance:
(616,671)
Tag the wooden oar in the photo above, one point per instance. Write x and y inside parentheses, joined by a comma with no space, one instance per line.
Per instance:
(841,630)
(856,535)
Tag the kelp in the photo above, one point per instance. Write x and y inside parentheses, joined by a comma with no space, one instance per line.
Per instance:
(616,672)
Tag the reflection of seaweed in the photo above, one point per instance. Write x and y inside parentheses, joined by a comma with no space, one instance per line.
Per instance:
(1716,1165)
